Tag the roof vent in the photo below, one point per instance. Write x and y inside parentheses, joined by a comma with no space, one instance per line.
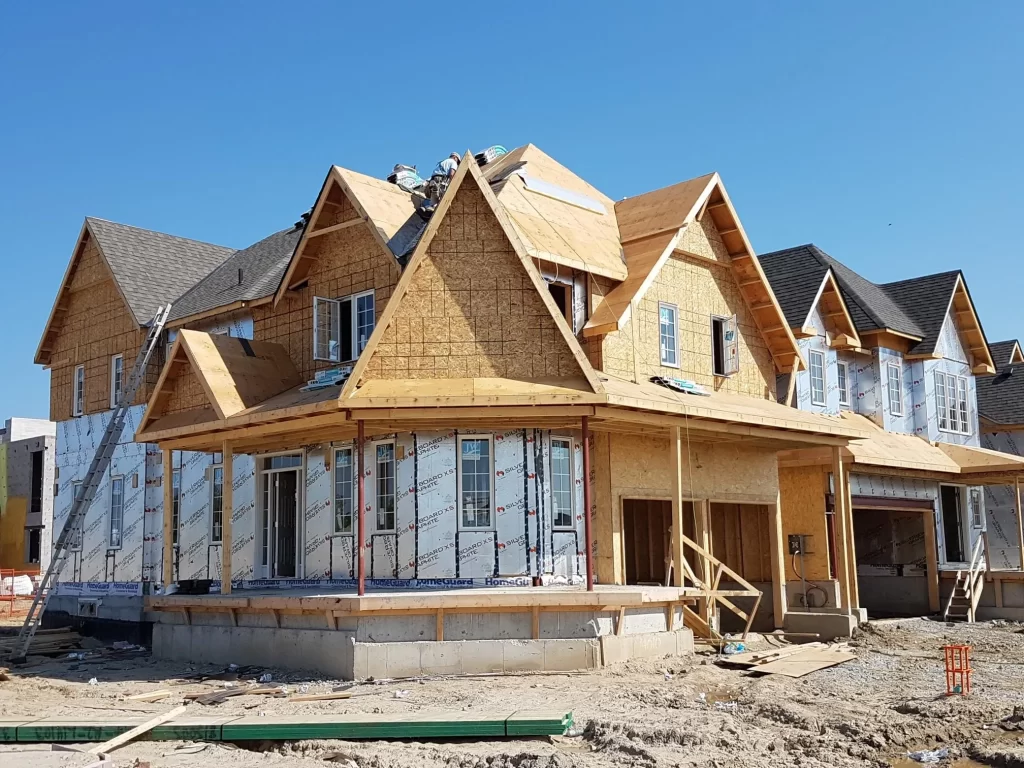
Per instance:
(239,275)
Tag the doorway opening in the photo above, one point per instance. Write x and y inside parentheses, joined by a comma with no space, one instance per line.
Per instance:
(953,523)
(280,518)
(646,539)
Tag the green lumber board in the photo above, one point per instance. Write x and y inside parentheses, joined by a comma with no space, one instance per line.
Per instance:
(66,730)
(395,726)
(9,727)
(538,723)
(190,729)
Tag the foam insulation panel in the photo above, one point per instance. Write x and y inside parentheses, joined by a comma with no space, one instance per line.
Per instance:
(1001,506)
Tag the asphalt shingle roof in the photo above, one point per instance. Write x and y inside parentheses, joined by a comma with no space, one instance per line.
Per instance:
(1001,351)
(925,300)
(152,268)
(262,266)
(795,276)
(1001,397)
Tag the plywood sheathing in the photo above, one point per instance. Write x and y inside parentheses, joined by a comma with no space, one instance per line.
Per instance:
(348,261)
(90,322)
(552,229)
(972,460)
(346,198)
(226,373)
(803,491)
(674,210)
(471,301)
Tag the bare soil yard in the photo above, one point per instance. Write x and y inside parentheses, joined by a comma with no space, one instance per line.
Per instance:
(677,711)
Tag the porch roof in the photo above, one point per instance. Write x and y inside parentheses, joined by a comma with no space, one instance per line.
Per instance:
(894,453)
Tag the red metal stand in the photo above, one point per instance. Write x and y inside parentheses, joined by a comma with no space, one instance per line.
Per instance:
(587,534)
(361,517)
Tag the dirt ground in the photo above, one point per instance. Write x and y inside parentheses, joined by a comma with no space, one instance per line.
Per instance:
(676,711)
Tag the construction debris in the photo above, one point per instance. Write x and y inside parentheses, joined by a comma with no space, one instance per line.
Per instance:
(137,731)
(793,661)
(47,642)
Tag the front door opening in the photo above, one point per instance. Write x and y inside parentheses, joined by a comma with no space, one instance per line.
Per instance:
(646,538)
(953,523)
(280,517)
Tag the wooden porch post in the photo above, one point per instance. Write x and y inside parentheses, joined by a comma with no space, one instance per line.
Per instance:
(587,533)
(778,564)
(702,533)
(677,507)
(842,529)
(851,550)
(1020,519)
(227,509)
(168,558)
(931,555)
(361,517)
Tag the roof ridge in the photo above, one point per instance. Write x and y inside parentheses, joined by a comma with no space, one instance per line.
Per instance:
(158,232)
(920,278)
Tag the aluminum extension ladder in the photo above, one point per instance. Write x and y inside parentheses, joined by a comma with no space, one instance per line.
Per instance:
(93,477)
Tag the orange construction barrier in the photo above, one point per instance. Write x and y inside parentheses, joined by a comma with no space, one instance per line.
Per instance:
(958,669)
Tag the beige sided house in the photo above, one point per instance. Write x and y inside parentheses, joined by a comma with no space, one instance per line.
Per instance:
(488,376)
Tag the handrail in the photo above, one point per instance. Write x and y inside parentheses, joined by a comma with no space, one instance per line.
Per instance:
(976,579)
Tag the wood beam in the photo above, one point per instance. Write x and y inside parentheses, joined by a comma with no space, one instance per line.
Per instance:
(839,480)
(227,510)
(677,508)
(335,228)
(931,555)
(778,559)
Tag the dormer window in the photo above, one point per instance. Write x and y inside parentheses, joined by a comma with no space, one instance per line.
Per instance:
(951,403)
(895,389)
(342,327)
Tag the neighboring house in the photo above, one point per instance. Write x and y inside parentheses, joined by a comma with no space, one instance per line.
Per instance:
(1001,407)
(901,359)
(26,494)
(467,369)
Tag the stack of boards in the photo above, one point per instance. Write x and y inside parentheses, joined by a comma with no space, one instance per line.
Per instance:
(417,725)
(791,661)
(47,642)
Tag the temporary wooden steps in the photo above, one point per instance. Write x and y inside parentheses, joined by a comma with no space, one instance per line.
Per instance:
(419,725)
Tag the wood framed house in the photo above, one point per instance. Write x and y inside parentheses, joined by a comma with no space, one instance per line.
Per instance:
(900,360)
(537,386)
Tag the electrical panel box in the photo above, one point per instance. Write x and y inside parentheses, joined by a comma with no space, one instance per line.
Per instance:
(801,544)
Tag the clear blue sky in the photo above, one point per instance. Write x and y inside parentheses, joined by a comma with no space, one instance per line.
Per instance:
(887,133)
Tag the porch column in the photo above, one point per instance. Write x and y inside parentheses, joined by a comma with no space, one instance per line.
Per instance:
(588,536)
(843,534)
(168,558)
(227,510)
(702,533)
(677,507)
(931,556)
(778,554)
(852,548)
(361,498)
(1020,519)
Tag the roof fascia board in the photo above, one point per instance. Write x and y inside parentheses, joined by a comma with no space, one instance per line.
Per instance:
(172,359)
(218,311)
(987,362)
(321,198)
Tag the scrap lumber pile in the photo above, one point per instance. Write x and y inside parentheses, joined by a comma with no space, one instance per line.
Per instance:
(409,725)
(47,642)
(791,661)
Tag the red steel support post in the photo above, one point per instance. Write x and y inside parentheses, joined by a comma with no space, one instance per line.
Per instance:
(361,497)
(587,533)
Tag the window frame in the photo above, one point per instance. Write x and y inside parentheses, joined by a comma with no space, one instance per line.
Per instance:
(898,378)
(492,513)
(110,515)
(78,391)
(719,324)
(811,353)
(572,484)
(175,505)
(353,487)
(843,381)
(116,377)
(376,486)
(337,325)
(952,406)
(75,485)
(213,469)
(662,349)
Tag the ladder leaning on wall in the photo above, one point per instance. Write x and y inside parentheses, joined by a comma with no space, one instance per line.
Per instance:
(90,483)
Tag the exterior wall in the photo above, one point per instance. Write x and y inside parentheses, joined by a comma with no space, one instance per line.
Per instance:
(96,326)
(955,360)
(349,261)
(700,285)
(471,309)
(16,513)
(819,343)
(1001,506)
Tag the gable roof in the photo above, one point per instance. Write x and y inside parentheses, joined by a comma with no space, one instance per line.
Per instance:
(247,275)
(1006,353)
(796,279)
(148,268)
(925,300)
(152,268)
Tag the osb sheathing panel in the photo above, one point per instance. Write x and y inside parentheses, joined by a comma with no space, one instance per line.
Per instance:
(96,326)
(186,392)
(348,261)
(803,491)
(471,309)
(741,538)
(699,288)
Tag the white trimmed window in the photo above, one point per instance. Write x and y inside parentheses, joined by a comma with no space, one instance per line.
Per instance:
(75,544)
(843,374)
(725,357)
(668,334)
(342,327)
(216,504)
(385,497)
(78,391)
(951,403)
(476,468)
(817,362)
(175,505)
(561,483)
(116,379)
(116,521)
(343,490)
(895,383)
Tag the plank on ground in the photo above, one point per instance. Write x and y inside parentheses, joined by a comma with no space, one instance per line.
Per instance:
(134,733)
(800,664)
